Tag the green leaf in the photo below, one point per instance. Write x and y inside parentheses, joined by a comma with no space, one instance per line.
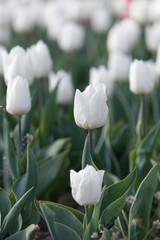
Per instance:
(53,149)
(5,205)
(10,152)
(115,191)
(47,118)
(30,178)
(57,230)
(145,150)
(13,214)
(105,235)
(48,170)
(64,216)
(77,213)
(141,207)
(23,235)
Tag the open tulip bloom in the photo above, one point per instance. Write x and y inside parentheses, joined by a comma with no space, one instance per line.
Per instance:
(86,185)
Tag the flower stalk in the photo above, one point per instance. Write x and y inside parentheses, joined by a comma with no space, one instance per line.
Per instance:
(87,214)
(90,133)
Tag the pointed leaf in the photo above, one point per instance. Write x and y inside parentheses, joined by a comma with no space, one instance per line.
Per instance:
(24,234)
(5,205)
(13,214)
(141,207)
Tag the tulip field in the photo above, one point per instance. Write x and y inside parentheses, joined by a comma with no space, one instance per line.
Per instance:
(80,120)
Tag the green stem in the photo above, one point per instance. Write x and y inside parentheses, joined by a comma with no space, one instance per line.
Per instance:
(41,91)
(87,214)
(90,142)
(19,137)
(143,99)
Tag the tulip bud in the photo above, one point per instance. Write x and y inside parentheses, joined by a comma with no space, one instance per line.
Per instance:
(41,59)
(18,96)
(66,41)
(140,78)
(152,36)
(119,63)
(90,108)
(17,62)
(138,11)
(102,75)
(100,20)
(123,36)
(86,185)
(65,90)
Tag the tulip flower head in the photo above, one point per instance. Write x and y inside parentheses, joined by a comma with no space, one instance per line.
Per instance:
(102,75)
(86,185)
(17,63)
(140,78)
(90,108)
(65,92)
(18,96)
(41,59)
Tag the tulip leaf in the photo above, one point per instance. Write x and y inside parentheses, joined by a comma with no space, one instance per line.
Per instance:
(76,213)
(145,150)
(24,234)
(48,170)
(30,178)
(64,216)
(114,199)
(13,214)
(10,152)
(115,191)
(5,205)
(141,206)
(47,118)
(105,235)
(57,230)
(53,149)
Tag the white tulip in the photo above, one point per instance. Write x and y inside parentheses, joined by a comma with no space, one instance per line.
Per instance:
(140,78)
(90,108)
(71,37)
(17,62)
(119,63)
(18,100)
(86,185)
(152,36)
(152,68)
(104,76)
(41,59)
(123,36)
(138,11)
(65,91)
(100,20)
(23,19)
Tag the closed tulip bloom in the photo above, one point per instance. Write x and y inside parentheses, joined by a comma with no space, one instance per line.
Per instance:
(140,78)
(119,63)
(65,91)
(71,37)
(90,108)
(102,75)
(18,96)
(41,59)
(123,36)
(17,62)
(152,36)
(86,185)
(138,10)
